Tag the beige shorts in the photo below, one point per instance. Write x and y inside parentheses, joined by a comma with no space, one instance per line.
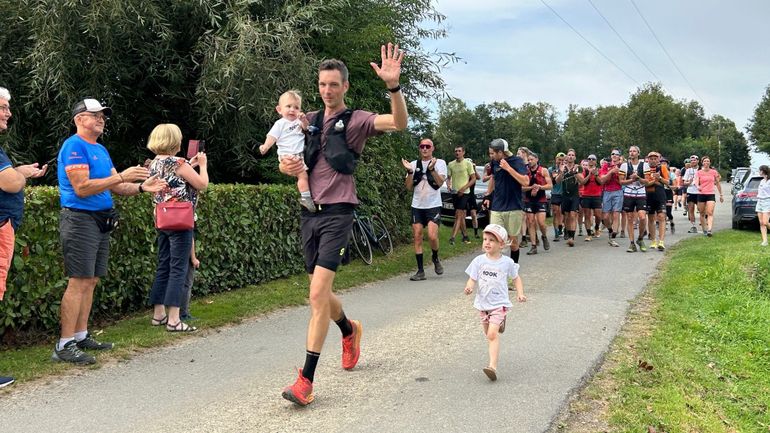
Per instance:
(299,156)
(510,220)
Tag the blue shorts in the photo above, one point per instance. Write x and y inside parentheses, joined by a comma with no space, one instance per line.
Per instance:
(613,201)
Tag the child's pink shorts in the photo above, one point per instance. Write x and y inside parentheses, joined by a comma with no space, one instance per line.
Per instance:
(495,316)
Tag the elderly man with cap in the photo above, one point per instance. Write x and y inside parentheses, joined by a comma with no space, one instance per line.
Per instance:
(504,197)
(612,198)
(425,177)
(12,181)
(86,179)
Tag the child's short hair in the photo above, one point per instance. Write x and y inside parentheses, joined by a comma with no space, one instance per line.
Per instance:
(165,139)
(293,94)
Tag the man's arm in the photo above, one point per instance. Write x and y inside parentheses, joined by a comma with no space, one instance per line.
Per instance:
(390,73)
(12,181)
(548,184)
(523,179)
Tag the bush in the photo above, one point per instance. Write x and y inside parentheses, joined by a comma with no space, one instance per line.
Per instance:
(246,234)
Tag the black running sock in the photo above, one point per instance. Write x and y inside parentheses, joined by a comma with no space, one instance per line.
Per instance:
(475,231)
(515,256)
(311,360)
(344,325)
(419,262)
(435,255)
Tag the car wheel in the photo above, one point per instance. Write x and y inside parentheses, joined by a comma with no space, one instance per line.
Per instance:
(735,225)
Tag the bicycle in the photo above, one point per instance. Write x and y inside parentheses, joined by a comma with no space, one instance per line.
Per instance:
(368,231)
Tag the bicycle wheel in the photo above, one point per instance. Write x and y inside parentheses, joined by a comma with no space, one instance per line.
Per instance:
(361,243)
(381,235)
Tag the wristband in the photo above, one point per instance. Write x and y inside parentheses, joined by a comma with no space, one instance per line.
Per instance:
(141,190)
(121,178)
(395,89)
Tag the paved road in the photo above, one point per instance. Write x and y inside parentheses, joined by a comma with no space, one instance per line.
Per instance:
(420,369)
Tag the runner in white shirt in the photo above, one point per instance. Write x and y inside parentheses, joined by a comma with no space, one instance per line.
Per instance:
(692,191)
(425,177)
(632,175)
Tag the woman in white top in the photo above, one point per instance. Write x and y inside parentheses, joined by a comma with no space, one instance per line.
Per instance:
(763,202)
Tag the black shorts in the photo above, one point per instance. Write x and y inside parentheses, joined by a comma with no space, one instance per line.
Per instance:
(425,216)
(591,202)
(460,202)
(85,248)
(669,196)
(570,203)
(679,191)
(692,198)
(325,235)
(703,198)
(556,200)
(534,206)
(634,204)
(656,202)
(472,203)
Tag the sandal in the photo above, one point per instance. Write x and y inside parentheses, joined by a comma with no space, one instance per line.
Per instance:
(180,327)
(158,322)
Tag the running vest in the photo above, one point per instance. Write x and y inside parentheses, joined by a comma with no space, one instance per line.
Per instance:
(336,151)
(536,178)
(419,173)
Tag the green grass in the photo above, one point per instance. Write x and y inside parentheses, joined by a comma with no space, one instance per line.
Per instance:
(708,339)
(134,334)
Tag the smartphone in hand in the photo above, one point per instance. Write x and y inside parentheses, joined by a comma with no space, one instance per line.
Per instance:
(195,146)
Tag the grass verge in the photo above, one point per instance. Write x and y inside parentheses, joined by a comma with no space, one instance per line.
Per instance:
(134,334)
(694,355)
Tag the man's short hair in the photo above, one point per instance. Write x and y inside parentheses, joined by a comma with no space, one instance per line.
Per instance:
(5,94)
(335,65)
(524,149)
(165,139)
(460,146)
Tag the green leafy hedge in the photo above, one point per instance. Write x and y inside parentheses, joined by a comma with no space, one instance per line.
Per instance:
(246,234)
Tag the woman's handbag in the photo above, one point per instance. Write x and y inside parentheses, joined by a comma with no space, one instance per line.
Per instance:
(174,215)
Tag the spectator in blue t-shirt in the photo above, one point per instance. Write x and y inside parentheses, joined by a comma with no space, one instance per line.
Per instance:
(12,181)
(504,197)
(86,180)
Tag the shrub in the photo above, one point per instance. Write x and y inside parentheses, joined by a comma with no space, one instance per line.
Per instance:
(246,234)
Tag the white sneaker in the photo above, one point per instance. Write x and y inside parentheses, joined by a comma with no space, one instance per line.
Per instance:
(763,244)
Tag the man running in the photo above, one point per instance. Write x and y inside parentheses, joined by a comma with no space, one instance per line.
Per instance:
(591,201)
(535,202)
(632,175)
(425,177)
(612,199)
(325,233)
(570,201)
(657,179)
(461,177)
(558,220)
(692,191)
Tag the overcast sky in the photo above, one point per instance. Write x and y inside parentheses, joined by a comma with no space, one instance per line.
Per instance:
(520,51)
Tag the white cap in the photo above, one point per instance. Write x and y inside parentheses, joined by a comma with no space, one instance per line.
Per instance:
(499,231)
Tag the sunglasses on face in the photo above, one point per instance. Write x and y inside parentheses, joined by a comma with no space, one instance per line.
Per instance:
(425,146)
(592,159)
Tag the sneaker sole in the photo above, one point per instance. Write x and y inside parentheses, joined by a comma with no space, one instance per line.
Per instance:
(2,385)
(56,358)
(288,395)
(491,373)
(359,330)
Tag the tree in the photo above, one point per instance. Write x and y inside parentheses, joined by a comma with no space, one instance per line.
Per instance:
(759,124)
(215,68)
(733,150)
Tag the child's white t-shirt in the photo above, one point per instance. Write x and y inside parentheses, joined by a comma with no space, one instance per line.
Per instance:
(289,136)
(492,277)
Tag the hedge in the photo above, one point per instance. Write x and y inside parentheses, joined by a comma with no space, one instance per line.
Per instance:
(246,234)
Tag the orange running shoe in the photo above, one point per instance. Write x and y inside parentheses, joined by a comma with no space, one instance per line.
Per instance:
(351,346)
(301,393)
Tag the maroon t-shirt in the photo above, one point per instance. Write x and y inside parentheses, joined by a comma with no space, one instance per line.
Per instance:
(328,186)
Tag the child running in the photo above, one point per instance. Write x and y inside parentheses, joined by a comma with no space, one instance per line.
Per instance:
(289,134)
(492,270)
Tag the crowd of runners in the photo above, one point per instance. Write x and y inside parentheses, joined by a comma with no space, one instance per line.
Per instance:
(620,196)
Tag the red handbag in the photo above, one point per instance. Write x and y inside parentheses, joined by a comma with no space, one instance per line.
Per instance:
(174,215)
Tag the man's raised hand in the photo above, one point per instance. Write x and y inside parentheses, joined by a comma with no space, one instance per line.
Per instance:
(390,70)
